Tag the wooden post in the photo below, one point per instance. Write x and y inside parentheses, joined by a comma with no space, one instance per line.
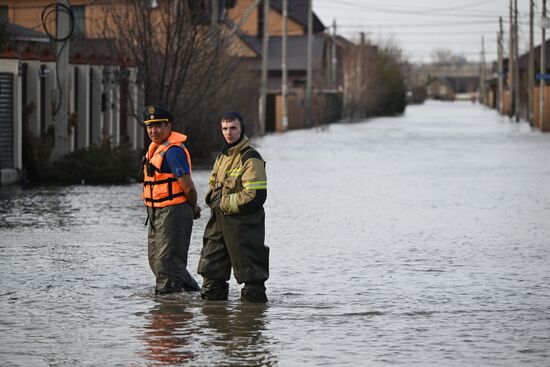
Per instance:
(284,85)
(214,18)
(309,75)
(61,145)
(482,92)
(334,72)
(516,63)
(531,73)
(542,66)
(263,88)
(511,81)
(500,92)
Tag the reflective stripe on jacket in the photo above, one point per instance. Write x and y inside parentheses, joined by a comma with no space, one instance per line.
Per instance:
(240,179)
(163,189)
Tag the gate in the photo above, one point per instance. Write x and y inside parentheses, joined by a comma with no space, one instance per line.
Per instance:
(6,120)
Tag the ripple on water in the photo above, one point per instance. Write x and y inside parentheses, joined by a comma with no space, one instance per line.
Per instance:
(413,241)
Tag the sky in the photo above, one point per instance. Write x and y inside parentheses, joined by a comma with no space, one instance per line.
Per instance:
(419,27)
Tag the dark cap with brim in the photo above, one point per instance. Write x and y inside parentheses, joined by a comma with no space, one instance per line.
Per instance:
(156,114)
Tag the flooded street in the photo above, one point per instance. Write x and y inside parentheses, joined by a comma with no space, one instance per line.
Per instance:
(421,240)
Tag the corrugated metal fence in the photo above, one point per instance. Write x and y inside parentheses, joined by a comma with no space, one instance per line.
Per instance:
(6,120)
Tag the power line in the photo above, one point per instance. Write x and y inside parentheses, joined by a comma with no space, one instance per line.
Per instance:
(420,25)
(463,6)
(434,34)
(410,12)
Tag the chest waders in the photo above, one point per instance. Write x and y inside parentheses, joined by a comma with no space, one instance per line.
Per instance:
(235,240)
(169,233)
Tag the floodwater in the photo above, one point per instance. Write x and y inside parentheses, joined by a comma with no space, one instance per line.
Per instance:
(421,240)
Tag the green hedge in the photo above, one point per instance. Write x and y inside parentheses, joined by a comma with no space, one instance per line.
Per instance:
(97,165)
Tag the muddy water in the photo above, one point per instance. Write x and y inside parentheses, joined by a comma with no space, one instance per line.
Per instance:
(421,240)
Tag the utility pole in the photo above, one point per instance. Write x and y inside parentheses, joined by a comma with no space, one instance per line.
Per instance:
(542,65)
(284,85)
(263,88)
(334,75)
(214,18)
(516,63)
(309,75)
(360,77)
(531,73)
(500,38)
(482,95)
(511,81)
(61,145)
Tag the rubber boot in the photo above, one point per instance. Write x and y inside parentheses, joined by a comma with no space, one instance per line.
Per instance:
(214,290)
(253,293)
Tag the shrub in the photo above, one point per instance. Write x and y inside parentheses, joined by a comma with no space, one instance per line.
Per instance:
(97,165)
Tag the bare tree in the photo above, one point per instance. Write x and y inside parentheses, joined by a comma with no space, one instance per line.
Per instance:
(182,64)
(173,49)
(374,81)
(442,56)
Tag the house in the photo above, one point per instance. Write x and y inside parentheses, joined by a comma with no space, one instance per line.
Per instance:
(440,88)
(523,108)
(103,94)
(450,88)
(326,69)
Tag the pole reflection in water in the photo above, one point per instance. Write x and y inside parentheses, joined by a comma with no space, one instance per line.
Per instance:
(238,332)
(167,333)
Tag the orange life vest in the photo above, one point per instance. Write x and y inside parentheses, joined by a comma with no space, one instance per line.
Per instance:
(163,189)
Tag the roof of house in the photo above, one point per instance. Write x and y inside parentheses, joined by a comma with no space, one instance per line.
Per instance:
(343,42)
(296,51)
(297,10)
(20,33)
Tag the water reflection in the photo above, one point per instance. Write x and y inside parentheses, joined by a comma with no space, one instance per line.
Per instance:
(239,332)
(176,334)
(167,334)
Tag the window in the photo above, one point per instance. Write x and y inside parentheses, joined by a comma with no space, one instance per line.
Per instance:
(79,13)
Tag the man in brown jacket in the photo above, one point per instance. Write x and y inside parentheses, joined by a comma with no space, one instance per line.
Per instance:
(235,233)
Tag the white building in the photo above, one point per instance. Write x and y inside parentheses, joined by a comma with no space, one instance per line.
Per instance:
(104,101)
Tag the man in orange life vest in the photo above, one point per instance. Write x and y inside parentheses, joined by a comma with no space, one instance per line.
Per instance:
(171,199)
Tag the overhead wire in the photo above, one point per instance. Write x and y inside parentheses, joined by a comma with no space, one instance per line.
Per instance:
(477,23)
(337,4)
